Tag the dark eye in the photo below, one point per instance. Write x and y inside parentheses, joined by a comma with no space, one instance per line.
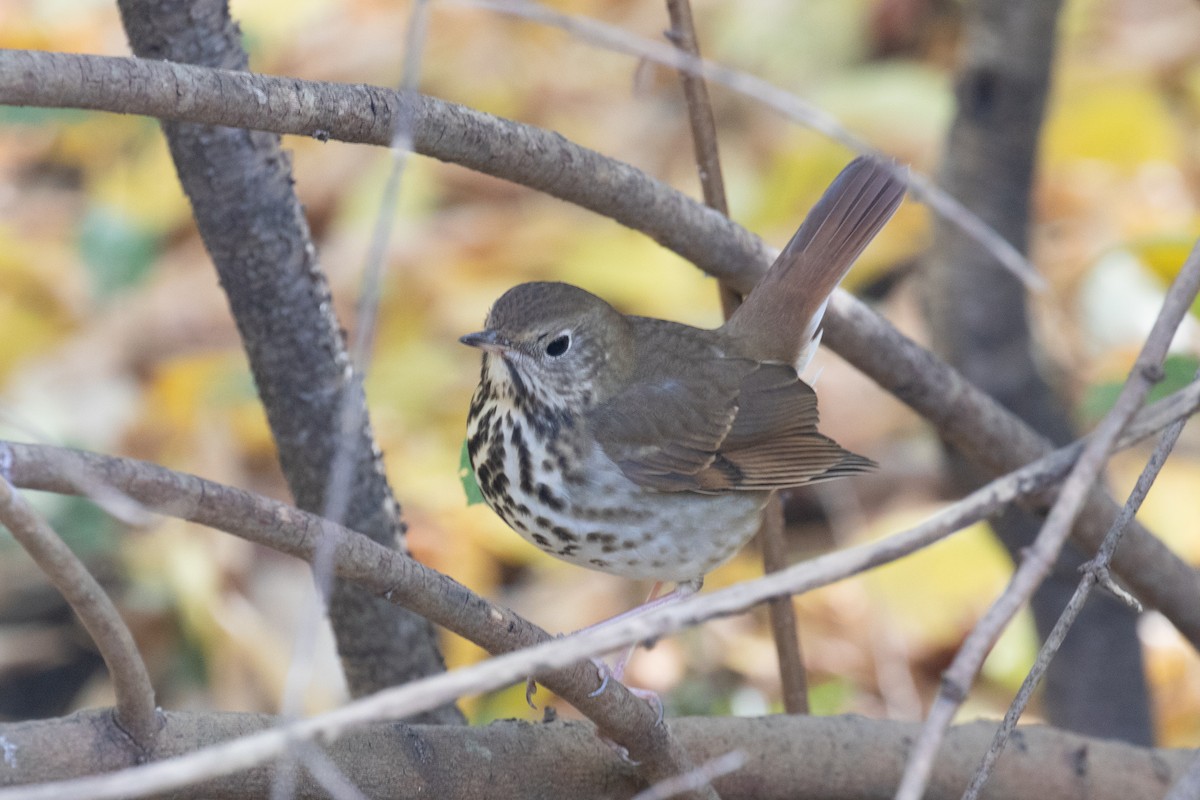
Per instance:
(558,346)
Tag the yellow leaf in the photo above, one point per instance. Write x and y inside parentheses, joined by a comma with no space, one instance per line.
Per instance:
(1121,120)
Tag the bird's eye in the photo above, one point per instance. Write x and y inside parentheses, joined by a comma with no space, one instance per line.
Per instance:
(558,345)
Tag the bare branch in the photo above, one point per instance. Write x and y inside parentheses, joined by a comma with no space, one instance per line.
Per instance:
(700,113)
(956,681)
(135,710)
(782,613)
(789,105)
(974,423)
(788,757)
(793,678)
(619,715)
(1095,571)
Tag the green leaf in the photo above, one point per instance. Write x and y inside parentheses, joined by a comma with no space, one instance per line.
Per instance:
(118,252)
(467,476)
(1178,371)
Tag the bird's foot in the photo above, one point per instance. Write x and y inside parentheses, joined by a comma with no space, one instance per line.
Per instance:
(607,674)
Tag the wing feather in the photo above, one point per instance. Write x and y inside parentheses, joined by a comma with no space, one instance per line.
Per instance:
(693,419)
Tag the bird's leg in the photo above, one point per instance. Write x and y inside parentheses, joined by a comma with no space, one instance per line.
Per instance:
(617,670)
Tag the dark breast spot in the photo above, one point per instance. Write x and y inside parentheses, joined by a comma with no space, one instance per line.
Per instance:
(564,534)
(524,462)
(548,497)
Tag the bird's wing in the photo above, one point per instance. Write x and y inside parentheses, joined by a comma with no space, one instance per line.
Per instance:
(694,420)
(664,428)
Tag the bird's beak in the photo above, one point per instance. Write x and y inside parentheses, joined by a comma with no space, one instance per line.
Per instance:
(488,341)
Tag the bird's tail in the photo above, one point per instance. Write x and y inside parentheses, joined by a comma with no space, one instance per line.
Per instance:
(794,292)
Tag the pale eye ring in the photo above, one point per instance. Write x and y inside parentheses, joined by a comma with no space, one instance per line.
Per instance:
(559,345)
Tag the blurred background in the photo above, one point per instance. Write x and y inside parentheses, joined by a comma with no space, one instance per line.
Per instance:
(117,337)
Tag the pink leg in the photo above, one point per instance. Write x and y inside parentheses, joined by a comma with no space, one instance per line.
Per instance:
(617,671)
(681,590)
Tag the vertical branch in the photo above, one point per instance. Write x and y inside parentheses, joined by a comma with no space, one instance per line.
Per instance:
(241,188)
(770,535)
(135,709)
(979,321)
(704,128)
(793,678)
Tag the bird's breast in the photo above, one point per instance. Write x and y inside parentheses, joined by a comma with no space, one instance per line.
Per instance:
(546,477)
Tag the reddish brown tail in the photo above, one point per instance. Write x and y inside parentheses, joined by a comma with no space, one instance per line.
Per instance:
(791,297)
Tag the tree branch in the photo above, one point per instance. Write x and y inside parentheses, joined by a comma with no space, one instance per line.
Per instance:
(135,709)
(973,422)
(1095,571)
(241,188)
(383,571)
(1039,559)
(782,613)
(830,758)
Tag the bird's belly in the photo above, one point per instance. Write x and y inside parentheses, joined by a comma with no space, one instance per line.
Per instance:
(593,516)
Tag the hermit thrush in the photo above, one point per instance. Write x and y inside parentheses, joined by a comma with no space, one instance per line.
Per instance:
(647,448)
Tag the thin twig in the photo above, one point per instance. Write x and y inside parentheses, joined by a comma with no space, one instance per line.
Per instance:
(782,613)
(351,413)
(789,105)
(793,678)
(1094,571)
(700,113)
(702,775)
(135,707)
(703,126)
(1038,560)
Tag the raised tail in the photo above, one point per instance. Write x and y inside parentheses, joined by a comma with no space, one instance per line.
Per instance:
(792,296)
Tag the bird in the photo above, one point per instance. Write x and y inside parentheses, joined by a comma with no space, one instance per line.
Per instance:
(646,448)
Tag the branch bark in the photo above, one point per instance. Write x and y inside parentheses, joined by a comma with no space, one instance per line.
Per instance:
(822,758)
(240,186)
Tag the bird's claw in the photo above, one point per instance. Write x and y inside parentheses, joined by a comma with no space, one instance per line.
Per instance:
(650,697)
(604,674)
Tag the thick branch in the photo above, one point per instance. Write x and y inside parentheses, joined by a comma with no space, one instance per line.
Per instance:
(830,758)
(241,188)
(988,434)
